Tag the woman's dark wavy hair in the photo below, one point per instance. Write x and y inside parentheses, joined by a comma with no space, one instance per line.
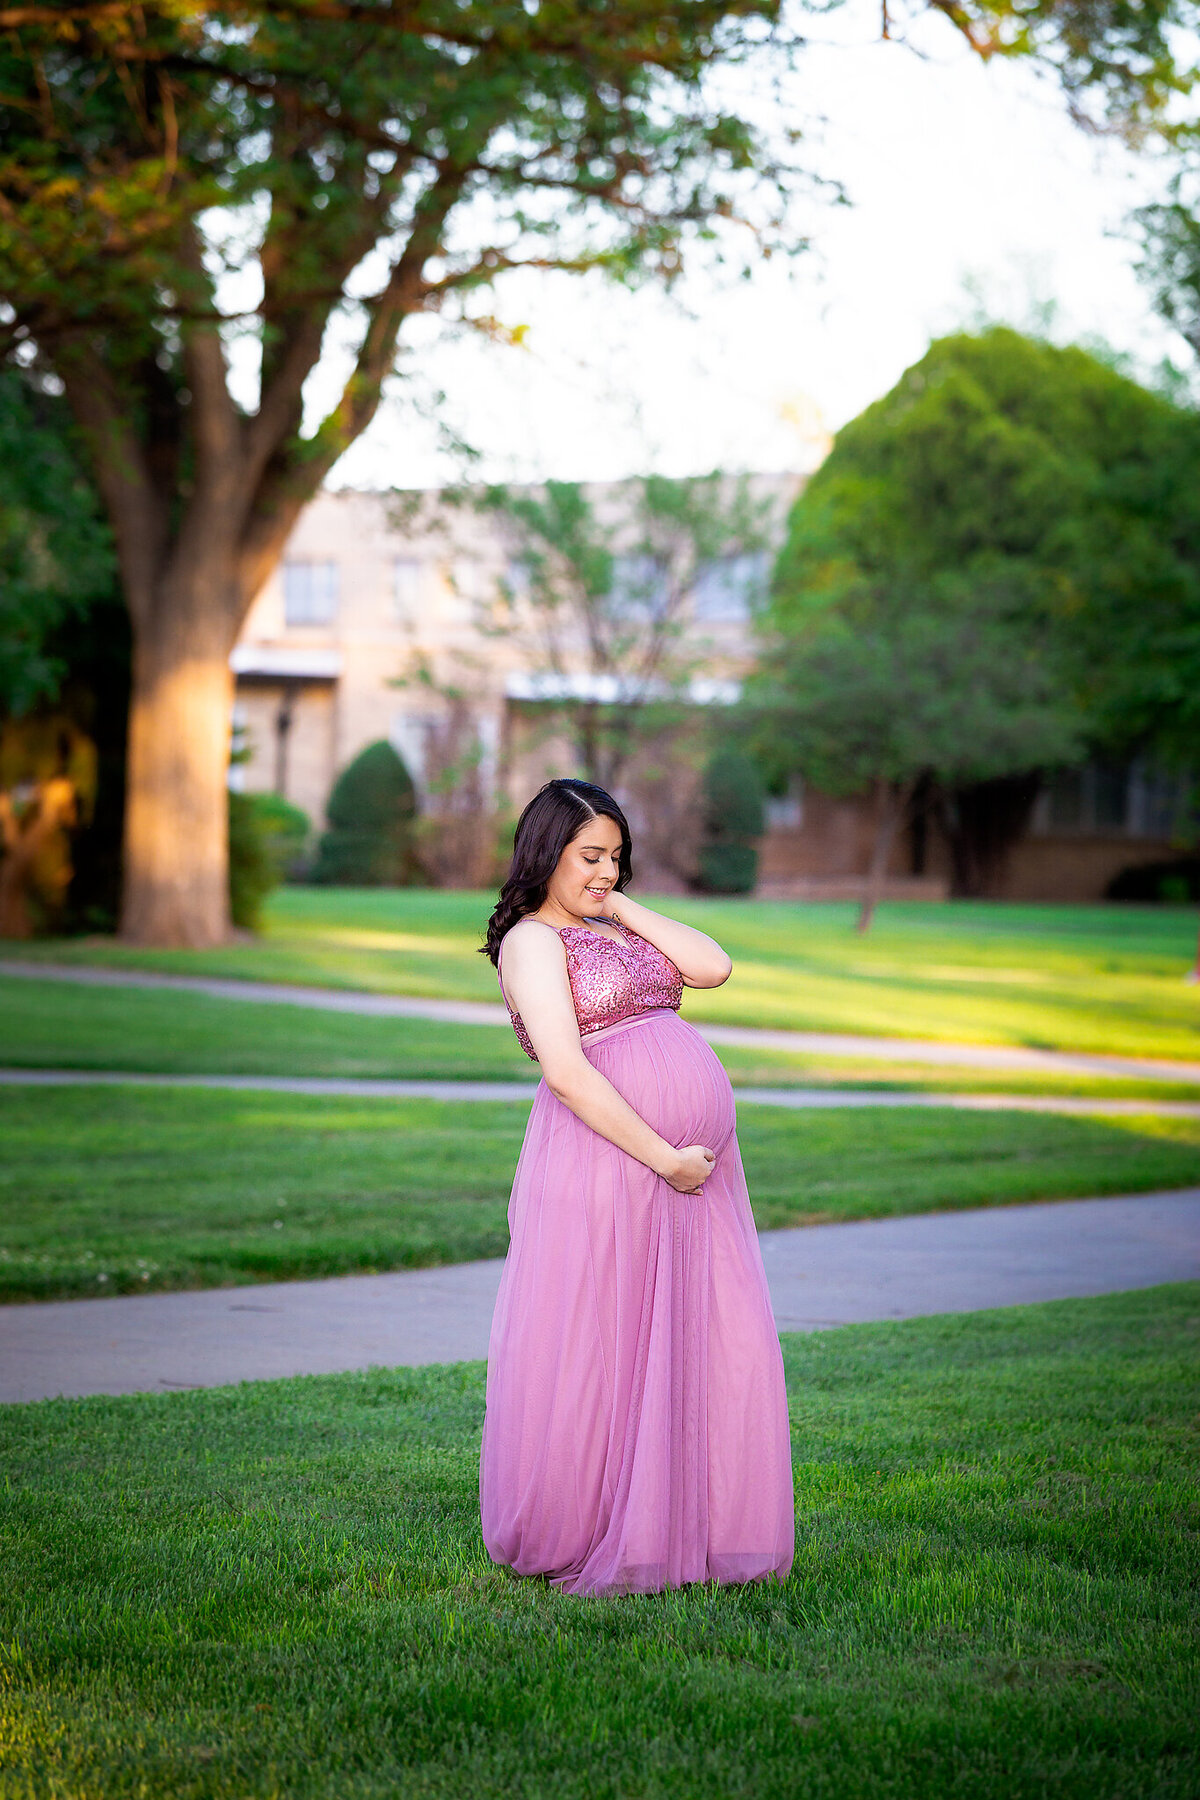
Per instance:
(544,830)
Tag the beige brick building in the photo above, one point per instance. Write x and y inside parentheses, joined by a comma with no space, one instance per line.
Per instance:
(377,614)
(371,628)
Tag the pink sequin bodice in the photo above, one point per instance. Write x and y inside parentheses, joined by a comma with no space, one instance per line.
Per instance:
(611,979)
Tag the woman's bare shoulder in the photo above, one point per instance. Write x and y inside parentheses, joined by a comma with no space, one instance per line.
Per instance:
(533,943)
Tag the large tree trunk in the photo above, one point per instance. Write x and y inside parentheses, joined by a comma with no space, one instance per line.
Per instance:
(176,886)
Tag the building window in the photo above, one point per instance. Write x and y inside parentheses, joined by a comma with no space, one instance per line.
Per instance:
(310,593)
(407,588)
(728,588)
(476,585)
(518,579)
(409,738)
(1113,800)
(785,812)
(639,587)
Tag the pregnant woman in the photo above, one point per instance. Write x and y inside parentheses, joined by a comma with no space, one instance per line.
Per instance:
(636,1435)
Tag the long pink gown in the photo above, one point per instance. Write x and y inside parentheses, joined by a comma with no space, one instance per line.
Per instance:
(636,1434)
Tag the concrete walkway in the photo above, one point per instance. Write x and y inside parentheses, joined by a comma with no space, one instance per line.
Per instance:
(479,1012)
(803,1099)
(819,1276)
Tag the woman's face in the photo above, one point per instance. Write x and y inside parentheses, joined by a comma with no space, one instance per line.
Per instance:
(587,869)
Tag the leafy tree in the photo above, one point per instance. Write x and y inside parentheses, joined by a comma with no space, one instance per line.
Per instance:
(369,842)
(1009,544)
(360,161)
(1170,233)
(903,693)
(1125,68)
(56,556)
(599,600)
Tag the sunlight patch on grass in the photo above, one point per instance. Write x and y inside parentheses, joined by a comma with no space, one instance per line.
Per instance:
(421,945)
(1107,979)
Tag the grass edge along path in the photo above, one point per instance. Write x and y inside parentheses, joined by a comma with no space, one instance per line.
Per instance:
(280,1589)
(127,1189)
(1103,979)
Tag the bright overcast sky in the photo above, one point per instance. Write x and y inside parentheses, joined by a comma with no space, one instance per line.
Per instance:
(957,173)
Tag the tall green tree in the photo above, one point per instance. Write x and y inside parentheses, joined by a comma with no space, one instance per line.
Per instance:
(998,563)
(352,163)
(906,694)
(359,162)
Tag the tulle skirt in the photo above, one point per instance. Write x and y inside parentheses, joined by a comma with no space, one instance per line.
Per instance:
(636,1434)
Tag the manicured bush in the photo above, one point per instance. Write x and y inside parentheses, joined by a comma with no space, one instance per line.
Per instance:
(288,830)
(733,821)
(371,813)
(252,868)
(267,835)
(728,868)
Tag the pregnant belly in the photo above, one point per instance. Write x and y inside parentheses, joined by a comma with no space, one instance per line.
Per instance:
(671,1078)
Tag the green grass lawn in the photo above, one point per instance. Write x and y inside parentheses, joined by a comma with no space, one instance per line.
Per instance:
(279,1590)
(109,1190)
(1098,978)
(54,1025)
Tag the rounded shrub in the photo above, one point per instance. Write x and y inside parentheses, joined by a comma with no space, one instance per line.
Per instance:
(253,871)
(371,813)
(733,822)
(288,830)
(267,838)
(728,868)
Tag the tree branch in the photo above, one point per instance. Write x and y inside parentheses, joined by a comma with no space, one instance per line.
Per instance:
(216,428)
(292,478)
(983,43)
(298,325)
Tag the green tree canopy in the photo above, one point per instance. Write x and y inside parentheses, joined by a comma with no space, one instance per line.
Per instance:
(998,562)
(1042,482)
(181,180)
(56,555)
